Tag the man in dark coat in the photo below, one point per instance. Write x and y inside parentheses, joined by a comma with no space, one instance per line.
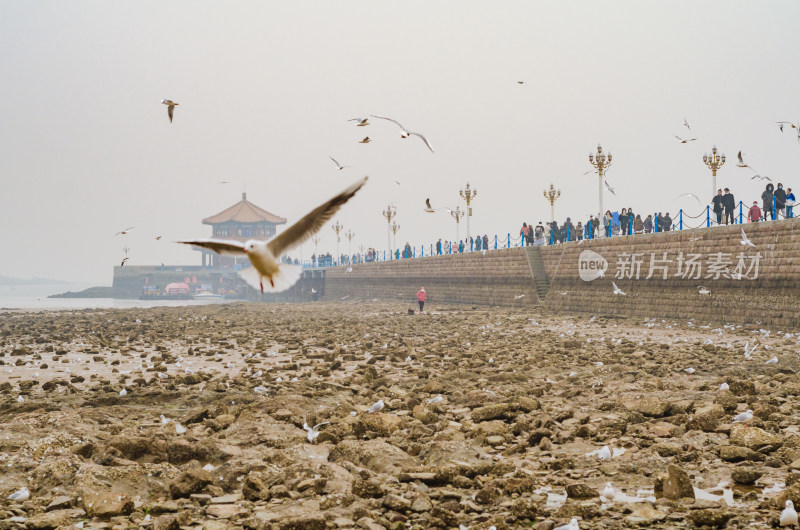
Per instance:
(730,205)
(766,199)
(666,222)
(780,201)
(717,203)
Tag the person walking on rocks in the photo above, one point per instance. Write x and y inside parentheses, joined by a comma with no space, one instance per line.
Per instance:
(730,206)
(422,297)
(717,202)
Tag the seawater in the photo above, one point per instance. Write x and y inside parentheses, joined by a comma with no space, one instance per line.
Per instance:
(35,298)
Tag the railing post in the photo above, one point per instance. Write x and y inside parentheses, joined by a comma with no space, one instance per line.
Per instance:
(471,245)
(495,241)
(774,208)
(741,208)
(680,218)
(708,216)
(509,240)
(655,222)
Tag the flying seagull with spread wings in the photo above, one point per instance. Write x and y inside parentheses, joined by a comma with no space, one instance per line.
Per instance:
(405,133)
(338,165)
(742,164)
(265,256)
(170,107)
(684,140)
(692,195)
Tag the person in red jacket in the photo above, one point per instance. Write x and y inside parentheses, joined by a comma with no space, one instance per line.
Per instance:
(422,296)
(754,215)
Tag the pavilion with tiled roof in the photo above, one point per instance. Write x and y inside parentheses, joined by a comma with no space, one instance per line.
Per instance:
(242,221)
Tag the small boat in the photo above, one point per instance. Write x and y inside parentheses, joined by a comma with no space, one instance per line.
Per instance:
(208,296)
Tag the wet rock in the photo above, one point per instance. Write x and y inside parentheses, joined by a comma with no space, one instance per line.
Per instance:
(649,406)
(735,453)
(166,522)
(59,503)
(487,495)
(644,515)
(256,486)
(746,475)
(525,508)
(753,437)
(421,503)
(107,504)
(224,511)
(500,411)
(706,418)
(397,503)
(742,388)
(677,484)
(713,517)
(188,482)
(368,488)
(581,490)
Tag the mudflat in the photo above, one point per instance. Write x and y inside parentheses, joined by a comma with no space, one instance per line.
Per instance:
(194,417)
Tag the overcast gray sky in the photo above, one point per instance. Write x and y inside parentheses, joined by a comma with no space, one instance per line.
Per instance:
(265,89)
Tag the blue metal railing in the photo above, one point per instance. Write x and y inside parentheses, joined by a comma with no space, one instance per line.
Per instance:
(550,236)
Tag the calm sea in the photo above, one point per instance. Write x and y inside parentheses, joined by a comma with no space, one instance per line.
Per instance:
(35,297)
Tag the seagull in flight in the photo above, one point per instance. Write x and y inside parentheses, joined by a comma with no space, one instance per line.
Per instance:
(617,290)
(124,232)
(692,195)
(224,182)
(123,262)
(313,432)
(760,178)
(686,124)
(170,107)
(366,140)
(610,188)
(338,165)
(741,162)
(265,256)
(745,241)
(362,122)
(684,140)
(158,238)
(428,207)
(405,133)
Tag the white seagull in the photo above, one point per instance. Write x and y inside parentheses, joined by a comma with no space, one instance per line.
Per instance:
(774,360)
(405,133)
(742,164)
(703,290)
(608,492)
(744,416)
(265,256)
(22,495)
(376,406)
(724,386)
(692,195)
(573,525)
(747,351)
(788,515)
(170,107)
(686,124)
(617,290)
(366,140)
(338,165)
(313,432)
(124,232)
(362,122)
(684,140)
(745,241)
(610,188)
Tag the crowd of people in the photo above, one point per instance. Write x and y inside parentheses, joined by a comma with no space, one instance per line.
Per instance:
(776,203)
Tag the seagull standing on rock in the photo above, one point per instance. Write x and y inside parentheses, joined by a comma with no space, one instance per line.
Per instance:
(24,494)
(573,525)
(608,492)
(788,515)
(313,432)
(265,256)
(376,406)
(744,416)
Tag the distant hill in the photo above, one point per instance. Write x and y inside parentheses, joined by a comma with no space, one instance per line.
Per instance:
(5,280)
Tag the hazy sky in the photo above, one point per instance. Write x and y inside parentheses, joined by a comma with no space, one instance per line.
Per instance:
(265,89)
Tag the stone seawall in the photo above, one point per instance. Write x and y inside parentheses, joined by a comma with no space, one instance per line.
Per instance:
(497,277)
(662,275)
(744,284)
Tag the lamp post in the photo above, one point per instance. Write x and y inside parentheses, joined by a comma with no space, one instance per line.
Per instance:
(468,195)
(337,228)
(552,195)
(395,228)
(457,215)
(714,162)
(389,213)
(349,235)
(601,161)
(316,241)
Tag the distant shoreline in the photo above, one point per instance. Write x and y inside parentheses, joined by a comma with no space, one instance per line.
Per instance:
(98,292)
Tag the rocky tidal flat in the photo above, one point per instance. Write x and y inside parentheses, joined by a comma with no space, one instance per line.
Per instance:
(204,417)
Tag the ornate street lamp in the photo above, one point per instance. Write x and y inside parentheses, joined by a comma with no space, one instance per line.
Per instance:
(337,228)
(349,235)
(389,213)
(468,195)
(552,195)
(457,215)
(714,162)
(395,227)
(316,241)
(601,161)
